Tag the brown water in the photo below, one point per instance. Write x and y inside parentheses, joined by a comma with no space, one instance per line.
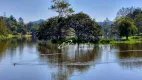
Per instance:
(23,59)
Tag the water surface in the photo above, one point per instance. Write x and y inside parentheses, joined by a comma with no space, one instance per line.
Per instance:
(24,59)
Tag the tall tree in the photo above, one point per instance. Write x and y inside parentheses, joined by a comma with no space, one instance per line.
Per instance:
(21,21)
(61,7)
(86,29)
(126,27)
(50,30)
(138,22)
(130,12)
(134,13)
(12,18)
(125,11)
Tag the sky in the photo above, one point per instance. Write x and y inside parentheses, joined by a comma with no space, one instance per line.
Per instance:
(32,10)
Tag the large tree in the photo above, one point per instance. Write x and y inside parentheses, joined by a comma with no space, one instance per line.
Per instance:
(125,11)
(126,27)
(138,22)
(21,21)
(61,7)
(50,29)
(134,13)
(86,29)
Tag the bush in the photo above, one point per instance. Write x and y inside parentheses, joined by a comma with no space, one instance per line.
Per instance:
(15,33)
(106,41)
(136,37)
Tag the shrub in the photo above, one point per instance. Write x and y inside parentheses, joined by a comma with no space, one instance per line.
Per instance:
(106,41)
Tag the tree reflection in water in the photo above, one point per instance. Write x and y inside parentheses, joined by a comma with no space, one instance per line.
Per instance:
(11,45)
(3,47)
(132,59)
(69,59)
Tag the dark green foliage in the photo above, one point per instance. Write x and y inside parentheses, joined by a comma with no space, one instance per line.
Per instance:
(53,29)
(86,29)
(57,29)
(106,41)
(138,22)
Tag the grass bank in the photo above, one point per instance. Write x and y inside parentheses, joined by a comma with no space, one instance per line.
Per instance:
(2,37)
(131,40)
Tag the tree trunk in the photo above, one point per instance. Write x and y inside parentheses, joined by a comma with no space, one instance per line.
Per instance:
(126,37)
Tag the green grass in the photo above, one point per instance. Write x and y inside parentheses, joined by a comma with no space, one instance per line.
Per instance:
(2,37)
(131,40)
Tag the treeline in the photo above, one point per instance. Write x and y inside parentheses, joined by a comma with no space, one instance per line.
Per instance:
(80,27)
(128,22)
(9,25)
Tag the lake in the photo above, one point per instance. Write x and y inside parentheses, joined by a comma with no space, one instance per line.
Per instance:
(24,59)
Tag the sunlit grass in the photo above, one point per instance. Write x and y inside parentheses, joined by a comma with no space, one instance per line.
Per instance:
(131,40)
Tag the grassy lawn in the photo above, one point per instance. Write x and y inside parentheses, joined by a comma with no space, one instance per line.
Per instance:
(131,40)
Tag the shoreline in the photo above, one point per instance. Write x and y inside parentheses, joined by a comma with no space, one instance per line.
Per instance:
(2,37)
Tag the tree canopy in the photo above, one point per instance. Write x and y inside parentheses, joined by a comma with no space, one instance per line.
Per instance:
(126,27)
(134,14)
(62,7)
(86,29)
(3,28)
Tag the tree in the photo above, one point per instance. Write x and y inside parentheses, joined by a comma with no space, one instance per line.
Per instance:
(138,22)
(125,11)
(126,27)
(50,30)
(12,18)
(21,21)
(130,12)
(134,13)
(3,28)
(61,7)
(86,29)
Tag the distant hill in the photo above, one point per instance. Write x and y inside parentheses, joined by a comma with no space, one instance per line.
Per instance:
(38,21)
(101,23)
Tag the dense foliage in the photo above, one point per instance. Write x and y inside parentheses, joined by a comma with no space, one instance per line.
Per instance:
(85,28)
(126,27)
(3,28)
(133,13)
(79,27)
